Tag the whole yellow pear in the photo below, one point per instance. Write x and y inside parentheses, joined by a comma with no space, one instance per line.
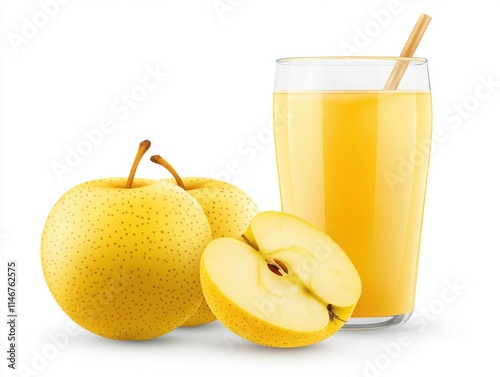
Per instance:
(123,263)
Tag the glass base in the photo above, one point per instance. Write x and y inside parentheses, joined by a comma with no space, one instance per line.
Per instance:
(372,323)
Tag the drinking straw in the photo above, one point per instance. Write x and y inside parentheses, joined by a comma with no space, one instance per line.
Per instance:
(408,51)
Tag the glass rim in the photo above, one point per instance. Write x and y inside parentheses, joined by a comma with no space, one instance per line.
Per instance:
(297,61)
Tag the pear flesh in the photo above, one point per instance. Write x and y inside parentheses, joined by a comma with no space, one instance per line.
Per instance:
(289,285)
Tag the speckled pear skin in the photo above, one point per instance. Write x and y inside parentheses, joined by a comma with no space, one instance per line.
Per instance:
(124,263)
(229,211)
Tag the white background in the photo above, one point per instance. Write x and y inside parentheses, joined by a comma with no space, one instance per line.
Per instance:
(214,109)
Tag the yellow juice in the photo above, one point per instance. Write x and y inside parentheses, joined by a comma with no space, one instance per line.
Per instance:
(354,163)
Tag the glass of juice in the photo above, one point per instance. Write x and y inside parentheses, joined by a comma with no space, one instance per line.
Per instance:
(352,160)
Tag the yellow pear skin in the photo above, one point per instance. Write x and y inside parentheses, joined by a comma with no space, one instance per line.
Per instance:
(124,263)
(229,211)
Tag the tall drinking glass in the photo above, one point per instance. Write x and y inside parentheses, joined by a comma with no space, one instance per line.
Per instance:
(353,159)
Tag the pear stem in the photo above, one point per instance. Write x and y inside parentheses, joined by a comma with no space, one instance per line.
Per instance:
(157,159)
(143,147)
(245,238)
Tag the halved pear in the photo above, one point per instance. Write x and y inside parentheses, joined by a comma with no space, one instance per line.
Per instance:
(288,285)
